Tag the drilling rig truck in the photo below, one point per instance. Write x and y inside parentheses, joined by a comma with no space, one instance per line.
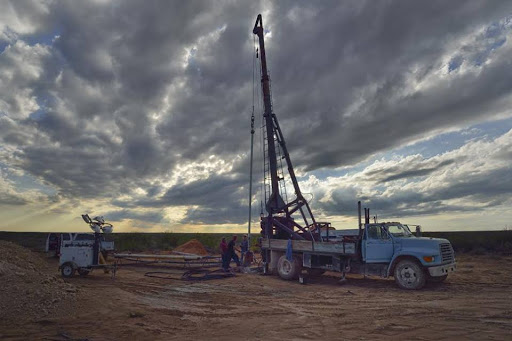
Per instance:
(294,245)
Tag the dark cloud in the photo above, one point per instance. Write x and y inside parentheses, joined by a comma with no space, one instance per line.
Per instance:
(404,174)
(24,18)
(215,191)
(150,217)
(495,186)
(221,214)
(129,93)
(215,200)
(481,190)
(319,71)
(12,200)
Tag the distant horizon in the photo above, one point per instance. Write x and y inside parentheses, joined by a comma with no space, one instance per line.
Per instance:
(236,233)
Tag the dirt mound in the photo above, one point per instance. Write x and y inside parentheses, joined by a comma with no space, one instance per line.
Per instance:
(193,246)
(29,288)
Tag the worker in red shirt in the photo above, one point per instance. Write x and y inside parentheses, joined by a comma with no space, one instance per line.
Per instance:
(224,252)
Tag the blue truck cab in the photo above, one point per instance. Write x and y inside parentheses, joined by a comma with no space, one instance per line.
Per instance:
(390,249)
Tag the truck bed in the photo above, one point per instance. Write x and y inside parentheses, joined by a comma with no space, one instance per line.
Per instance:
(339,247)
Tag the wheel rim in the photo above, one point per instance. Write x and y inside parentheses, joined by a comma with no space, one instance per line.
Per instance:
(408,276)
(67,270)
(286,267)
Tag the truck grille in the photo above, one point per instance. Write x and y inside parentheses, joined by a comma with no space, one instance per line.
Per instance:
(447,255)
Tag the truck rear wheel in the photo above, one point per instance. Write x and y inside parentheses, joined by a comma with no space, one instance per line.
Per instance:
(67,270)
(409,275)
(289,270)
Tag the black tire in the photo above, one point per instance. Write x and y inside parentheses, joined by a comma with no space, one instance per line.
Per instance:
(67,270)
(83,272)
(409,275)
(315,272)
(289,270)
(436,279)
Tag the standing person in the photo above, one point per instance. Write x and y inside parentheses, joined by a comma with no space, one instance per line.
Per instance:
(224,252)
(231,252)
(244,247)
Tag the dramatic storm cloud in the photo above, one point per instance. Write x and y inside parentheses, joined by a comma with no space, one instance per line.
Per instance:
(140,111)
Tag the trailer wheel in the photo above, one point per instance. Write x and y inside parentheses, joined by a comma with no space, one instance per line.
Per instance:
(409,275)
(288,270)
(67,270)
(436,279)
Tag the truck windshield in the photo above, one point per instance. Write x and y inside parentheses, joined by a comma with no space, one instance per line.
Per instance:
(407,228)
(397,230)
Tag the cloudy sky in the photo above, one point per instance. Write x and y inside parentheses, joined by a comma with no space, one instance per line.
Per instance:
(140,111)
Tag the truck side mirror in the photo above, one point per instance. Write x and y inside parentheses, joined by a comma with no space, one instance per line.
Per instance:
(418,231)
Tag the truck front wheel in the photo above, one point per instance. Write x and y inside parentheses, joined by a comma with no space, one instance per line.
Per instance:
(288,269)
(409,275)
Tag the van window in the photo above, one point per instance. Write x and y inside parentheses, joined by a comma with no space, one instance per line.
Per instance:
(84,236)
(65,236)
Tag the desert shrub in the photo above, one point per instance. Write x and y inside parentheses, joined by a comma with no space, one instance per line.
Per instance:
(479,251)
(469,241)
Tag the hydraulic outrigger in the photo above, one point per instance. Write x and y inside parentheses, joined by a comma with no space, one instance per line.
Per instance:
(279,222)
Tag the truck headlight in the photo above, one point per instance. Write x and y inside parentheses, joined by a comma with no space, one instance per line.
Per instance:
(429,259)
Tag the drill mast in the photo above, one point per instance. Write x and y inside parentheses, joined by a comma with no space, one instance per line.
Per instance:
(279,222)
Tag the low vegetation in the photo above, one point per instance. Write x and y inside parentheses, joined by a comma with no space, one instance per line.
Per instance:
(476,242)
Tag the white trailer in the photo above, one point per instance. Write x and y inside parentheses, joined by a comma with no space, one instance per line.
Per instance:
(85,254)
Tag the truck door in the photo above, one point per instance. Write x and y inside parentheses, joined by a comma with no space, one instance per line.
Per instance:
(378,245)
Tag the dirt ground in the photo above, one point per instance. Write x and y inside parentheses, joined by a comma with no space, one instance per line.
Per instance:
(473,304)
